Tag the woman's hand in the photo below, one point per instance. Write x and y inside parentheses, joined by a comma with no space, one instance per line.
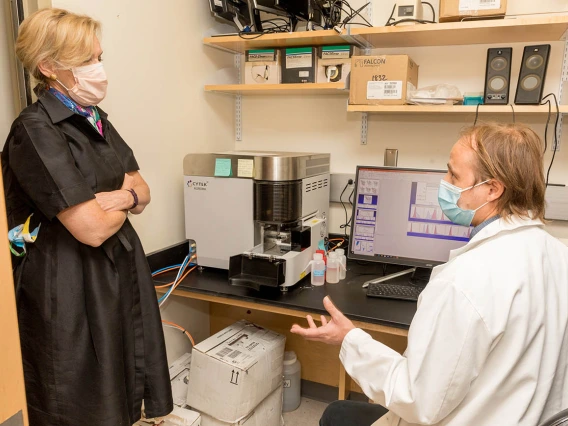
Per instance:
(115,201)
(332,332)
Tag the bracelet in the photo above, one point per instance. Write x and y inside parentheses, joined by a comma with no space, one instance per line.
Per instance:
(135,196)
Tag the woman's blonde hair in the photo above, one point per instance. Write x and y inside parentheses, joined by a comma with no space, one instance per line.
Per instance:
(56,36)
(513,155)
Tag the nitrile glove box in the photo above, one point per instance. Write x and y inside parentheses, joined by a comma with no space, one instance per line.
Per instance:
(268,413)
(233,371)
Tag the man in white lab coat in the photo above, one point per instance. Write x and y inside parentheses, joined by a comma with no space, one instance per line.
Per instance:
(489,343)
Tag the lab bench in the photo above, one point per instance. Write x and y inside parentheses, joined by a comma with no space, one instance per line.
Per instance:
(386,320)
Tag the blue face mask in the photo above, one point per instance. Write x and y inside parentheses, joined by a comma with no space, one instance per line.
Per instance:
(448,196)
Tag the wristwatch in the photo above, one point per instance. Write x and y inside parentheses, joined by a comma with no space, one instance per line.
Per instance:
(135,196)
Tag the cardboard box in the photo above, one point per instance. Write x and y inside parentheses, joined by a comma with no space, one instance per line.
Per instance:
(178,417)
(268,413)
(235,370)
(456,10)
(334,64)
(382,80)
(262,66)
(299,64)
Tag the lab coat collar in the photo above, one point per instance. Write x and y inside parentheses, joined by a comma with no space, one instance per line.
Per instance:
(512,223)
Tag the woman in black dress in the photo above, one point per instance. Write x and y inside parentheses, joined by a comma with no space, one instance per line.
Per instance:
(92,340)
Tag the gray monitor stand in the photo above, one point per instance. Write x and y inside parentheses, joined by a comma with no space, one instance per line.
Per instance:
(389,277)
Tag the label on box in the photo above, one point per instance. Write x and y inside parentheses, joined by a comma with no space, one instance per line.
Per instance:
(287,383)
(336,52)
(218,3)
(268,55)
(475,5)
(384,90)
(298,58)
(305,74)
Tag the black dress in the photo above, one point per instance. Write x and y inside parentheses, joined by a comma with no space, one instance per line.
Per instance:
(92,341)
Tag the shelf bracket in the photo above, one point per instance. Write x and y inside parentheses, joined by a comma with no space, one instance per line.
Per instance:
(238,102)
(563,81)
(364,128)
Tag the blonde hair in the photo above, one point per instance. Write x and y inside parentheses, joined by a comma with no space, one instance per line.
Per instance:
(56,36)
(513,155)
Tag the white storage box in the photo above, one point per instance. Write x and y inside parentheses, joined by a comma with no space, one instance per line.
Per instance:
(268,413)
(235,370)
(262,66)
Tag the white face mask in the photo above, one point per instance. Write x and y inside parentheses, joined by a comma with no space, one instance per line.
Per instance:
(90,84)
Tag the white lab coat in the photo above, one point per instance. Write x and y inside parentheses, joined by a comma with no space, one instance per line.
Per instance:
(489,343)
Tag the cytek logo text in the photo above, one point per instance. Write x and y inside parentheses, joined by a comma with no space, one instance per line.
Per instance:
(197,185)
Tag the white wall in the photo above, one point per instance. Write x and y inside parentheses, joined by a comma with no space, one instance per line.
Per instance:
(7,72)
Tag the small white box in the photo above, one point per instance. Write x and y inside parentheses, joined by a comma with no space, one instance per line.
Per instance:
(178,417)
(235,370)
(334,64)
(179,377)
(268,413)
(262,66)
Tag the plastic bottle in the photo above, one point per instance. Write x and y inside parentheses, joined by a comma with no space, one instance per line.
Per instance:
(333,267)
(292,381)
(318,269)
(343,263)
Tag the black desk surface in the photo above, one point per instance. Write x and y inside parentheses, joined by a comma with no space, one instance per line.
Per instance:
(348,295)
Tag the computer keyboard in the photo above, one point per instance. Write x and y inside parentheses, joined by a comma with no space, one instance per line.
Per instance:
(393,291)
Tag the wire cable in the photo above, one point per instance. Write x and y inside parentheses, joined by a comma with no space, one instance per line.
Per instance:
(173,287)
(476,115)
(345,225)
(193,257)
(179,327)
(513,109)
(555,146)
(432,8)
(547,122)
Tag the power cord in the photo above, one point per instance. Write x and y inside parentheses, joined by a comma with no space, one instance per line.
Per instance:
(347,221)
(555,146)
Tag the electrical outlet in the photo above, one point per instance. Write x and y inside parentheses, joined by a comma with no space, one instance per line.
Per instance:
(338,182)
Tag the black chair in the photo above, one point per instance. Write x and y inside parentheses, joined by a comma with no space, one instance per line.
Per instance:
(560,419)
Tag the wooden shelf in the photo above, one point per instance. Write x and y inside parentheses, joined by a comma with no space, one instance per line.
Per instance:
(454,109)
(280,89)
(240,44)
(518,30)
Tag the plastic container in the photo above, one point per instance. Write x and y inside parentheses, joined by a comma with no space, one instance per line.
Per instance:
(318,270)
(333,267)
(343,263)
(292,382)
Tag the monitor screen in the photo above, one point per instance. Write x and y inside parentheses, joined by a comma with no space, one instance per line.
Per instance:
(397,218)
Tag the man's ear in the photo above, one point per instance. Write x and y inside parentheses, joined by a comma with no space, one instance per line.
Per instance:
(496,189)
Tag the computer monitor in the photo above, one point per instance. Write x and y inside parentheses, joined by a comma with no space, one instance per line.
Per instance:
(306,10)
(236,12)
(397,218)
(266,6)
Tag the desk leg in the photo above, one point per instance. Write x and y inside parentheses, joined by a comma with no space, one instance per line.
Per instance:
(344,383)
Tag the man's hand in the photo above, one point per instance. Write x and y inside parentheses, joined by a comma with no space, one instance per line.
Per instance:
(332,332)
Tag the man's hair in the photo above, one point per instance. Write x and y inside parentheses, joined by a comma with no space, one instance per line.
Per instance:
(513,155)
